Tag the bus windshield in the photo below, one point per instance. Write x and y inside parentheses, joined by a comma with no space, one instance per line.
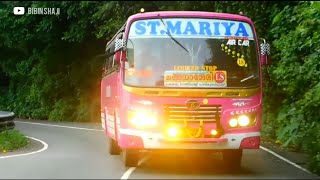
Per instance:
(191,53)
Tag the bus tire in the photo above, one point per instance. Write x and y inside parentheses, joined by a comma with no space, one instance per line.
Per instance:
(130,157)
(232,158)
(114,148)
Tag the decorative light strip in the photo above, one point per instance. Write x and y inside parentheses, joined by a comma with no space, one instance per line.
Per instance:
(243,111)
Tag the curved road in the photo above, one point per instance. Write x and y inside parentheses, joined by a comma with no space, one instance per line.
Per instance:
(81,153)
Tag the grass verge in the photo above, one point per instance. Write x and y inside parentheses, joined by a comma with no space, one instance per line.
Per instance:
(12,140)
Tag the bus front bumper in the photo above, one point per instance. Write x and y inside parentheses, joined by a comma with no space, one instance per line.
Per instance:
(145,140)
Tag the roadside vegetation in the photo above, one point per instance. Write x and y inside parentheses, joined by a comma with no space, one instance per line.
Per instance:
(50,67)
(12,140)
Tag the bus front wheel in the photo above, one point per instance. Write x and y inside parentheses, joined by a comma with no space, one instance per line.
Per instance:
(232,158)
(130,157)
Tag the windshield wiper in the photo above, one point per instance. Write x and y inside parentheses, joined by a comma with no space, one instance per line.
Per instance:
(247,78)
(169,34)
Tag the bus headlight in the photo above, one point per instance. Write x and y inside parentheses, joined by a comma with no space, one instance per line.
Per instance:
(233,122)
(141,118)
(243,120)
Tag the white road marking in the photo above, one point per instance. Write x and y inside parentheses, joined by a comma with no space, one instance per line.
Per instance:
(70,127)
(130,170)
(286,160)
(45,146)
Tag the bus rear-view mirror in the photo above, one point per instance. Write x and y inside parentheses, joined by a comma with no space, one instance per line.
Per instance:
(120,53)
(265,53)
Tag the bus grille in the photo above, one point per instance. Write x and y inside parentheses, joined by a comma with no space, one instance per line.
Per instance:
(207,113)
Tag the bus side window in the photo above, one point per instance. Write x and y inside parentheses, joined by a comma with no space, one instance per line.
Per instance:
(112,48)
(110,63)
(106,64)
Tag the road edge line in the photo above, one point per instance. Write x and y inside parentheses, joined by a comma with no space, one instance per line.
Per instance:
(70,127)
(286,160)
(45,147)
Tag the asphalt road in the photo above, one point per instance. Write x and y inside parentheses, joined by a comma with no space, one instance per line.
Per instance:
(82,154)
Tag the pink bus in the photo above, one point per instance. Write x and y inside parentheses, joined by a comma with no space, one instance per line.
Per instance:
(183,80)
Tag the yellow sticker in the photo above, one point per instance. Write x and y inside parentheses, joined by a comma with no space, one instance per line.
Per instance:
(205,101)
(241,62)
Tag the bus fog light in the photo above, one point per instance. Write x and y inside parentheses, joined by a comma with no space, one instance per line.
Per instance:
(233,122)
(172,132)
(243,120)
(214,132)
